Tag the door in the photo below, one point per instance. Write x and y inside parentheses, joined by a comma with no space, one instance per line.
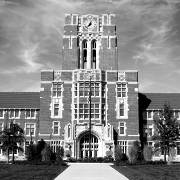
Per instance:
(84,146)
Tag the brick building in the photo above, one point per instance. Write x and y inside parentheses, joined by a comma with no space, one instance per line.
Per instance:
(89,94)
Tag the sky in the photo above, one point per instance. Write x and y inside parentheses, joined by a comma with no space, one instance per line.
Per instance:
(148,40)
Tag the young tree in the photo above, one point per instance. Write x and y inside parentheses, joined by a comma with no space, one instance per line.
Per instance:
(166,130)
(11,139)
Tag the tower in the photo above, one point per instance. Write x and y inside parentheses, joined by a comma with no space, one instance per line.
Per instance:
(89,106)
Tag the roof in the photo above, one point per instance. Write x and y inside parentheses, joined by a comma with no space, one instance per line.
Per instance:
(19,100)
(157,100)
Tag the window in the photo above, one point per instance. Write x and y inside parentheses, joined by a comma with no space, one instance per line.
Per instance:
(122,128)
(1,113)
(57,89)
(123,145)
(56,128)
(30,113)
(93,45)
(84,111)
(84,54)
(150,143)
(121,90)
(150,114)
(56,109)
(75,89)
(14,113)
(75,111)
(177,114)
(55,145)
(121,109)
(30,129)
(84,89)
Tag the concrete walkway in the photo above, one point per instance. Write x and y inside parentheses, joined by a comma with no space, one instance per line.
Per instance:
(90,171)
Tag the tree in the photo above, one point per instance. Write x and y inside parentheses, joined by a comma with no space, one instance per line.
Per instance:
(11,139)
(166,130)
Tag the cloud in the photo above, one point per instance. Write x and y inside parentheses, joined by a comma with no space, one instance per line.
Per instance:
(154,48)
(31,35)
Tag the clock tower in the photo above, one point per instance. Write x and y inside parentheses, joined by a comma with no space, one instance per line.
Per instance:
(90,42)
(89,106)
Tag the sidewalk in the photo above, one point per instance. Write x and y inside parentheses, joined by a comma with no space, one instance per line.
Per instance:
(90,171)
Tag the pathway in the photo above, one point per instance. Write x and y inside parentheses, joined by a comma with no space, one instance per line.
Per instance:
(90,171)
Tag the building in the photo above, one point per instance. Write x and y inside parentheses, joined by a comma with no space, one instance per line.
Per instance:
(90,105)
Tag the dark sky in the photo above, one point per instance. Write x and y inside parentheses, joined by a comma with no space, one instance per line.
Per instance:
(148,39)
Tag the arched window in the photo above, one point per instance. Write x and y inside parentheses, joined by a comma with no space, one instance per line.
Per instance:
(93,45)
(84,54)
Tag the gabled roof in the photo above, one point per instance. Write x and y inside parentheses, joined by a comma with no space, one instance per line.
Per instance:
(20,100)
(157,100)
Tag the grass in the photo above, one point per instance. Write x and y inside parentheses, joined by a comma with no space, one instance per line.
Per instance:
(28,171)
(150,172)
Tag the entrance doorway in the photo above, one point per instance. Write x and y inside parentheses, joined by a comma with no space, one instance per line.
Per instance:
(84,146)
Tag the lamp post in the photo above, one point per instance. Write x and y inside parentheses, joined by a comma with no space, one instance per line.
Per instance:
(90,117)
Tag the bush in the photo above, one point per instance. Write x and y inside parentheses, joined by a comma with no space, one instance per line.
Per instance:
(147,152)
(135,153)
(46,154)
(120,157)
(59,154)
(100,159)
(108,159)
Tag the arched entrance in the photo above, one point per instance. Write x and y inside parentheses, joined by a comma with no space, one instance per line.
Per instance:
(84,146)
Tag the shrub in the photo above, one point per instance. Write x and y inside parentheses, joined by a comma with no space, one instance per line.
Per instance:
(100,159)
(46,154)
(135,153)
(59,154)
(120,156)
(147,152)
(108,159)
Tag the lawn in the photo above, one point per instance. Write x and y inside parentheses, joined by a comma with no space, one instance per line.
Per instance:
(27,171)
(150,172)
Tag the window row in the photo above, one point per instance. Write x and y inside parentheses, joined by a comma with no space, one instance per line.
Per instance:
(30,128)
(84,111)
(85,50)
(16,113)
(151,113)
(161,150)
(84,89)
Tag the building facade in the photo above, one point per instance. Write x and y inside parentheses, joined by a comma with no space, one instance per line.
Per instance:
(89,106)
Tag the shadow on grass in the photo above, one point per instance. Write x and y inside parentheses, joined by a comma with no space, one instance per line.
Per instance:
(27,171)
(150,172)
